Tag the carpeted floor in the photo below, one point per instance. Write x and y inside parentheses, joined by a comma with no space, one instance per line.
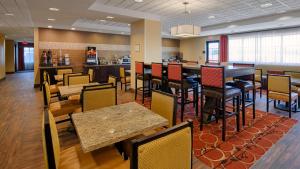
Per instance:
(241,149)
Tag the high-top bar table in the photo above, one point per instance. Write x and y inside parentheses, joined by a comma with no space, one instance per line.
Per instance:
(107,126)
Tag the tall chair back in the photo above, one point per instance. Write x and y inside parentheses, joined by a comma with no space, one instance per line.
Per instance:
(171,148)
(78,79)
(46,93)
(51,146)
(175,72)
(66,77)
(157,70)
(212,76)
(258,75)
(91,74)
(169,108)
(122,72)
(98,97)
(46,77)
(64,71)
(293,74)
(279,83)
(139,68)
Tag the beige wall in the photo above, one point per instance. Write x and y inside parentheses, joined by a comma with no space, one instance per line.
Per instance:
(2,56)
(36,56)
(10,56)
(192,48)
(153,42)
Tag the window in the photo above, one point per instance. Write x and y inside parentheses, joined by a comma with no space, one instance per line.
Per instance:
(212,51)
(28,58)
(268,47)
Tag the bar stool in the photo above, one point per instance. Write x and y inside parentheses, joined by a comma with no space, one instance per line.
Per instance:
(176,80)
(245,83)
(213,85)
(156,74)
(144,77)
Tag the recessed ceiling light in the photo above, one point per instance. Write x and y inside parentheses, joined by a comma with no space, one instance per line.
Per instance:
(122,33)
(50,26)
(211,17)
(129,24)
(102,20)
(51,19)
(266,5)
(110,17)
(9,14)
(139,0)
(53,9)
(282,11)
(73,29)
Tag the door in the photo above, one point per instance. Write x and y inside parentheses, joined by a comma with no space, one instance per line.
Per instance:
(28,58)
(212,51)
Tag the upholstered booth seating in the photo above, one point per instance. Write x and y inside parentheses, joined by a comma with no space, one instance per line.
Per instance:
(73,157)
(78,79)
(213,87)
(143,76)
(125,80)
(58,108)
(156,74)
(98,96)
(168,149)
(177,81)
(279,88)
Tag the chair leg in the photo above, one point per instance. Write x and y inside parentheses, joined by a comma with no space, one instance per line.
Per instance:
(196,101)
(253,101)
(267,104)
(290,109)
(143,91)
(201,113)
(122,87)
(243,108)
(238,114)
(260,93)
(135,94)
(224,120)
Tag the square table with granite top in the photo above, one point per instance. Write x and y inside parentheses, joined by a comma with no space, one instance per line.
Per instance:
(70,90)
(107,126)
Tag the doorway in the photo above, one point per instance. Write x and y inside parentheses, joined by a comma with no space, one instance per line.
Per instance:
(25,56)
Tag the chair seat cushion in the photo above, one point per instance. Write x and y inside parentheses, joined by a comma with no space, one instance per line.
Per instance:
(216,93)
(59,84)
(258,85)
(63,108)
(74,98)
(53,89)
(282,96)
(104,158)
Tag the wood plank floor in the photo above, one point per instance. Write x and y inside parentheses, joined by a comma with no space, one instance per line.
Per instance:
(20,129)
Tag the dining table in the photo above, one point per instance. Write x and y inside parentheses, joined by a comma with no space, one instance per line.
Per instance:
(110,125)
(70,90)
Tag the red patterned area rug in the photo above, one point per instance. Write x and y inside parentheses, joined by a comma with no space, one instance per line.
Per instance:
(241,149)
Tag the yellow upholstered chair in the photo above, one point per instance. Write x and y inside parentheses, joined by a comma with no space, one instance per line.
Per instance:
(279,88)
(64,71)
(66,77)
(92,75)
(78,79)
(168,149)
(258,81)
(165,105)
(95,97)
(73,157)
(59,108)
(112,80)
(53,88)
(125,80)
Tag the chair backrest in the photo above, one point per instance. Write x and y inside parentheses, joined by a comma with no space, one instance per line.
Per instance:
(174,72)
(171,148)
(258,75)
(91,73)
(139,68)
(46,77)
(51,146)
(122,72)
(66,77)
(279,83)
(293,74)
(112,80)
(212,76)
(165,105)
(243,64)
(63,71)
(275,72)
(98,97)
(46,93)
(156,70)
(78,79)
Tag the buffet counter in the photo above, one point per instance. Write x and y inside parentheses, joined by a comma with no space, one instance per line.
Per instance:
(103,71)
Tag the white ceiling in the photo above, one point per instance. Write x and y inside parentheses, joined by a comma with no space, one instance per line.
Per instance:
(86,14)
